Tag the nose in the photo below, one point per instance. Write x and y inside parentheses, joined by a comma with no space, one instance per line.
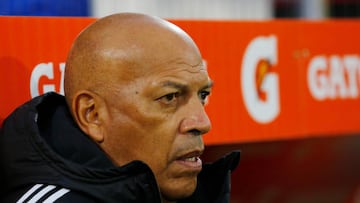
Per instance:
(196,120)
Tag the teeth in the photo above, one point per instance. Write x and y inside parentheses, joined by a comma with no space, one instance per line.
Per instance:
(191,159)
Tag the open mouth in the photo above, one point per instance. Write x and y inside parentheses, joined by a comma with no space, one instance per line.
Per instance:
(191,160)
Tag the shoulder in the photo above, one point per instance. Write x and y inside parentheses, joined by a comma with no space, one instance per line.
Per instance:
(47,194)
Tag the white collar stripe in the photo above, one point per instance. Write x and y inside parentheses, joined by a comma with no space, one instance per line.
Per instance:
(41,193)
(29,192)
(56,195)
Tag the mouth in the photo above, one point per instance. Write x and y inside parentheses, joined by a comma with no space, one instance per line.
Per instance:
(191,160)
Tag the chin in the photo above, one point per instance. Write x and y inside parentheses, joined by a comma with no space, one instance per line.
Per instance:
(179,190)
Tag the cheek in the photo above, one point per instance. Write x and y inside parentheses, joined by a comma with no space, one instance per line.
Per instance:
(137,134)
(157,145)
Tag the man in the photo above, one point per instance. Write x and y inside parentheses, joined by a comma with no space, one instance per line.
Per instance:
(129,128)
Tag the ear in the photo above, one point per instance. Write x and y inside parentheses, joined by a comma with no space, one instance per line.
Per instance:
(88,110)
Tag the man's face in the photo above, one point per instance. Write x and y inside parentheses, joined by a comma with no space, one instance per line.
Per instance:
(158,116)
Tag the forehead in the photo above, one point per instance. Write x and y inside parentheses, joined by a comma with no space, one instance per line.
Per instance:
(173,54)
(180,70)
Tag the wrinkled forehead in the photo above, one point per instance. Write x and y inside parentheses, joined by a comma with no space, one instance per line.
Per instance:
(142,58)
(166,64)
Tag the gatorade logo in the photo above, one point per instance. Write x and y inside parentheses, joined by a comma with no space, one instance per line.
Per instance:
(43,79)
(334,77)
(259,84)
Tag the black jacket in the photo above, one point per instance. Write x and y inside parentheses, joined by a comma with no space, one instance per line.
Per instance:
(44,156)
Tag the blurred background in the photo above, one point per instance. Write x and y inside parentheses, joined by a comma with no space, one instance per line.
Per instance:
(188,9)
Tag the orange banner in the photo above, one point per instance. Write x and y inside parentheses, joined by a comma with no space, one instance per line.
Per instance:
(273,80)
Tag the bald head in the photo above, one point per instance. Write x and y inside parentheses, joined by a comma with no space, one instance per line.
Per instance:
(133,84)
(118,48)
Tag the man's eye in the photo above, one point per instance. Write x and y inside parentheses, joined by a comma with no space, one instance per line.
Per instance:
(169,98)
(204,96)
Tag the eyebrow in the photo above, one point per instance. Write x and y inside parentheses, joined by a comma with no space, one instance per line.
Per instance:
(209,85)
(182,86)
(173,84)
